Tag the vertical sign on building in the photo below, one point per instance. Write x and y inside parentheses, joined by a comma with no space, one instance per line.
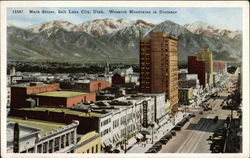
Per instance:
(16,138)
(145,116)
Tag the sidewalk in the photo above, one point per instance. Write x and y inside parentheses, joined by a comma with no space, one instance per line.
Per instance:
(144,146)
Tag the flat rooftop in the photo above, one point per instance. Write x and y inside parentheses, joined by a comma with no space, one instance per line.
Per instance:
(62,94)
(44,126)
(66,111)
(87,136)
(28,85)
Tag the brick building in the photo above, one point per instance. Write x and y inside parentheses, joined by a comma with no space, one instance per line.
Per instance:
(63,98)
(38,94)
(159,66)
(118,79)
(197,67)
(220,66)
(92,86)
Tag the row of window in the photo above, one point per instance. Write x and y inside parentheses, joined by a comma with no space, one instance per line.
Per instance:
(116,123)
(94,149)
(103,123)
(106,131)
(66,140)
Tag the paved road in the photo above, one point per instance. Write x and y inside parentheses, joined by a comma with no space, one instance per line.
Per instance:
(193,136)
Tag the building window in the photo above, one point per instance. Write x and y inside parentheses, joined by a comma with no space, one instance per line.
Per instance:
(56,147)
(88,151)
(45,147)
(50,146)
(96,148)
(72,137)
(62,141)
(93,149)
(39,148)
(67,139)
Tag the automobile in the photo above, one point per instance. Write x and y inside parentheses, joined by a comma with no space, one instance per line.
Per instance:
(219,148)
(192,115)
(168,135)
(116,151)
(173,132)
(152,150)
(187,118)
(163,140)
(157,146)
(177,128)
(216,151)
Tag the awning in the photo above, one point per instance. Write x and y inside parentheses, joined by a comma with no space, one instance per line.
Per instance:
(131,141)
(139,135)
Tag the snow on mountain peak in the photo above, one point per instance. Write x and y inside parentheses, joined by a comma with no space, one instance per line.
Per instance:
(93,27)
(52,24)
(200,27)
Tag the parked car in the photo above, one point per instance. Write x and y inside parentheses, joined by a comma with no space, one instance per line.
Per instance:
(177,128)
(164,140)
(168,135)
(173,132)
(157,147)
(152,150)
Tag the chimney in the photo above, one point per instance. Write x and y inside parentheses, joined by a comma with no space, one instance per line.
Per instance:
(16,138)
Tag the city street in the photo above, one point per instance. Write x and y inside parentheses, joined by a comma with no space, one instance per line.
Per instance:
(194,134)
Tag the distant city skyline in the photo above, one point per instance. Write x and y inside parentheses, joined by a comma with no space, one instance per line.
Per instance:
(224,18)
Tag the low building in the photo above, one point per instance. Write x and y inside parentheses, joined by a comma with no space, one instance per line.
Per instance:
(19,93)
(185,95)
(188,81)
(89,143)
(88,120)
(36,136)
(220,66)
(63,98)
(39,94)
(118,79)
(91,85)
(116,121)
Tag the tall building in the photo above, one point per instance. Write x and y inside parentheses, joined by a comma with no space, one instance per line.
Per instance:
(197,67)
(159,66)
(207,56)
(202,64)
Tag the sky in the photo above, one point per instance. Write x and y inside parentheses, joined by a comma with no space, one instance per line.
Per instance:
(226,18)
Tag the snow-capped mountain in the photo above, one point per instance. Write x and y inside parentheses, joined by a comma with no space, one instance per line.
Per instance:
(114,40)
(199,27)
(103,26)
(52,24)
(93,27)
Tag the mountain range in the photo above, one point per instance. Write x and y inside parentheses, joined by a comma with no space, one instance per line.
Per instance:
(117,41)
